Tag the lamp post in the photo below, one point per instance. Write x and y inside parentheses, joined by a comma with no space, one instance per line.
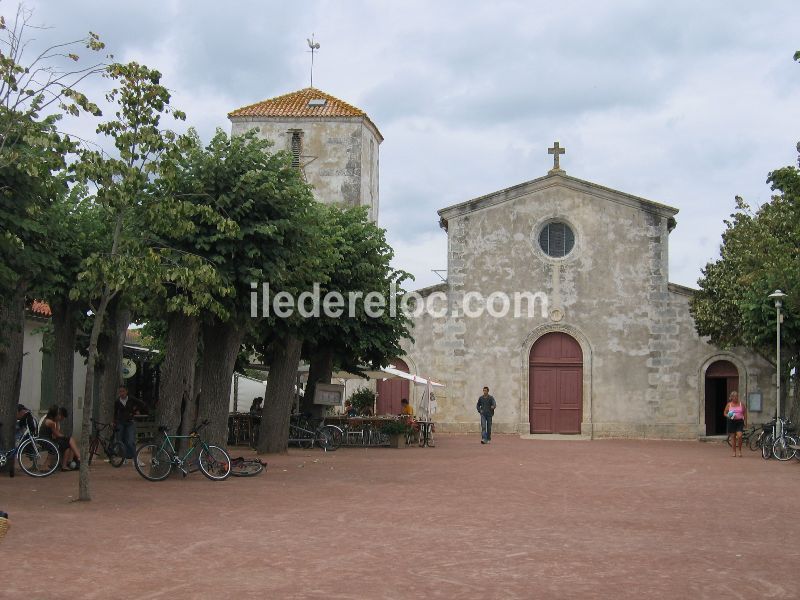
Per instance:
(778,296)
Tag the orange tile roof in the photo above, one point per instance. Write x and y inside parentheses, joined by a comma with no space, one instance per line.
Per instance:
(295,104)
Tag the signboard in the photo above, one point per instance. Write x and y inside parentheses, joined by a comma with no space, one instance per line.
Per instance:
(128,368)
(329,394)
(754,402)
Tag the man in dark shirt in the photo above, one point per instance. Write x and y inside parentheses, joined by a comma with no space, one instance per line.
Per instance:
(125,408)
(486,406)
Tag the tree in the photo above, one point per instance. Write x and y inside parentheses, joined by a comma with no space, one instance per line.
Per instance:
(268,203)
(123,185)
(352,343)
(357,265)
(758,255)
(32,162)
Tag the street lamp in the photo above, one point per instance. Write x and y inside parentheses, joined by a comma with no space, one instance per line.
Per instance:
(778,296)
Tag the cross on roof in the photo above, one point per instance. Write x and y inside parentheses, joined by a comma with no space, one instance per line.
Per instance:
(555,151)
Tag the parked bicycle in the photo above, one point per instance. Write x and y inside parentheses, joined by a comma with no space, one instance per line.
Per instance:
(305,433)
(783,448)
(778,441)
(37,456)
(155,461)
(103,436)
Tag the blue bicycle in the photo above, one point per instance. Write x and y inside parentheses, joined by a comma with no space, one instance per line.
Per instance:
(38,457)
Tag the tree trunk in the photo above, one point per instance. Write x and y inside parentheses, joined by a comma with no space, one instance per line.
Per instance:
(320,370)
(65,327)
(191,409)
(274,431)
(84,488)
(112,351)
(221,342)
(177,370)
(12,337)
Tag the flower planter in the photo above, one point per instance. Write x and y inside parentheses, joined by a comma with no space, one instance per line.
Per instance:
(397,440)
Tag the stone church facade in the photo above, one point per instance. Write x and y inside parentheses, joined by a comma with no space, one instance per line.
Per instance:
(610,349)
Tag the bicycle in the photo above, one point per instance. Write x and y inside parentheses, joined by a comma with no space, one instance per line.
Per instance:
(113,448)
(37,456)
(304,434)
(246,467)
(783,446)
(155,462)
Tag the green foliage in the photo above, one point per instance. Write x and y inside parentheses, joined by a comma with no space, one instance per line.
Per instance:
(759,254)
(138,218)
(265,211)
(362,399)
(396,427)
(32,152)
(362,266)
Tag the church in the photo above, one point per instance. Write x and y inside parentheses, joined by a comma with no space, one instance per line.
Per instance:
(613,353)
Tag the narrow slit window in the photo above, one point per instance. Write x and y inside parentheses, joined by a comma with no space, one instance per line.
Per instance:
(296,147)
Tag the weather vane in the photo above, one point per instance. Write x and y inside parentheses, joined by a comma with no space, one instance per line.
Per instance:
(314,47)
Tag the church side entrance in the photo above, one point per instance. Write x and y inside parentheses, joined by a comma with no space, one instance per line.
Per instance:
(722,378)
(391,391)
(556,384)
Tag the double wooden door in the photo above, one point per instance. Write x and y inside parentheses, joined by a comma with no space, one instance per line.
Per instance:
(556,384)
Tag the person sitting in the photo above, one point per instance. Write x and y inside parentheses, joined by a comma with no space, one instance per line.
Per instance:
(405,408)
(51,430)
(257,407)
(349,409)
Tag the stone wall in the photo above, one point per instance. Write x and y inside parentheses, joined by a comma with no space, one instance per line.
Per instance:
(339,156)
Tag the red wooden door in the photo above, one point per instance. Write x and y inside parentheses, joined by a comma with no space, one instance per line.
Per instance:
(556,385)
(391,391)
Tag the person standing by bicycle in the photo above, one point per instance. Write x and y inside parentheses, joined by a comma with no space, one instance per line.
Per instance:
(486,406)
(736,414)
(125,408)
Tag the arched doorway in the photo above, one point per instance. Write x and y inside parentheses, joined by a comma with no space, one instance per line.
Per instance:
(555,388)
(391,391)
(722,378)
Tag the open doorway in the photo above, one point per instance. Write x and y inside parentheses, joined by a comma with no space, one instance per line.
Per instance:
(722,378)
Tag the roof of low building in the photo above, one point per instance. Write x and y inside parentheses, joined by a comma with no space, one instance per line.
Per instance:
(308,102)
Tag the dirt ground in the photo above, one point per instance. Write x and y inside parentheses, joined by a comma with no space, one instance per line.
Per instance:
(514,519)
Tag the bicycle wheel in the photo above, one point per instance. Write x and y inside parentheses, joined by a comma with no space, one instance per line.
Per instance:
(754,442)
(337,435)
(324,439)
(38,457)
(782,449)
(766,447)
(215,463)
(153,462)
(116,454)
(246,468)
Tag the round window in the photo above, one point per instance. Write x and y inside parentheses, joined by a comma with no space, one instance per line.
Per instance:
(556,239)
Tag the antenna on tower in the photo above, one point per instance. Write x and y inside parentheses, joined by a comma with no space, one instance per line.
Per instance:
(314,47)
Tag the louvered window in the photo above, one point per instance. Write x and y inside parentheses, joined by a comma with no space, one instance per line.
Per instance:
(556,239)
(296,147)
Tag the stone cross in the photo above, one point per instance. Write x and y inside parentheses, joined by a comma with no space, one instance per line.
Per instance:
(555,151)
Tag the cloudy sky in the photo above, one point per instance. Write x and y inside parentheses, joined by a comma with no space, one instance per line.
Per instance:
(684,103)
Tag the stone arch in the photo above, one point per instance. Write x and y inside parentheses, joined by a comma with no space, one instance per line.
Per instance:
(701,383)
(524,425)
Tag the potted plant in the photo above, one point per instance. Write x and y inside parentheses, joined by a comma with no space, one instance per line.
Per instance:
(363,400)
(397,430)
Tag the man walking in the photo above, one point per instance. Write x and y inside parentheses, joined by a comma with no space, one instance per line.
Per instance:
(486,406)
(125,408)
